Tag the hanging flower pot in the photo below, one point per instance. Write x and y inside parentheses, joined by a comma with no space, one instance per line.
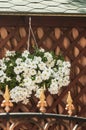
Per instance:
(25,73)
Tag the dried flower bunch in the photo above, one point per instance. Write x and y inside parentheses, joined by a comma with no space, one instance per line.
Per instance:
(26,73)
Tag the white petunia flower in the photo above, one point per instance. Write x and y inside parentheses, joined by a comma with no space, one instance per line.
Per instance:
(66,71)
(18,69)
(54,87)
(8,79)
(32,72)
(50,64)
(27,81)
(19,94)
(42,66)
(18,61)
(25,101)
(7,58)
(25,53)
(66,64)
(26,73)
(42,50)
(2,73)
(28,61)
(10,53)
(38,79)
(37,59)
(48,56)
(33,65)
(18,78)
(3,66)
(45,75)
(59,62)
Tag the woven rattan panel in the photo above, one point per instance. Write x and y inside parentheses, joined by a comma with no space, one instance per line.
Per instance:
(67,38)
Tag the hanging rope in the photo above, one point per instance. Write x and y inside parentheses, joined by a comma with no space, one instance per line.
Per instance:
(29,34)
(28,41)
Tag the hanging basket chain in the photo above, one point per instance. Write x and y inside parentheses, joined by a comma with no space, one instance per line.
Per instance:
(29,34)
